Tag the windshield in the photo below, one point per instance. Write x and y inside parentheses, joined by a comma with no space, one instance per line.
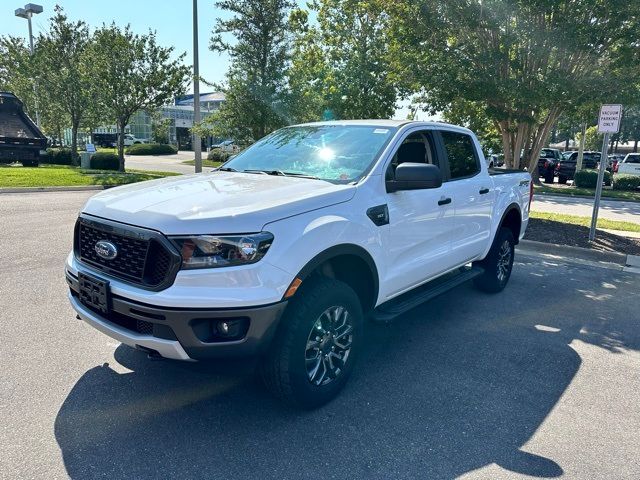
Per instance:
(337,153)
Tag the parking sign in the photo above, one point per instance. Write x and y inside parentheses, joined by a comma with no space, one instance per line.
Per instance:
(609,120)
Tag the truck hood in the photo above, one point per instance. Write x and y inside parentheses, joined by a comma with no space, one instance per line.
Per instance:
(216,202)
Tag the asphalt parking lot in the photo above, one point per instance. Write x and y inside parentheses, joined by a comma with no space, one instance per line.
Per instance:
(541,380)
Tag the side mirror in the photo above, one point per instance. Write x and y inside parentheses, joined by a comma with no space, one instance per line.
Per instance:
(415,176)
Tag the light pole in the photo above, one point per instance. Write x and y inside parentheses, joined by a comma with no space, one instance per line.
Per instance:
(29,10)
(196,89)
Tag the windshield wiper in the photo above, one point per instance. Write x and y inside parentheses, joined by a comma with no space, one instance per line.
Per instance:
(282,174)
(226,169)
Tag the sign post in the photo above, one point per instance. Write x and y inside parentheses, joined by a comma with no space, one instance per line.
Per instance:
(608,123)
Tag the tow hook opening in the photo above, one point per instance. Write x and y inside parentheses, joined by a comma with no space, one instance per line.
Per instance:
(151,353)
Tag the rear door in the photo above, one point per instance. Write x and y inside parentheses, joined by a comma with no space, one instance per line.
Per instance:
(421,221)
(472,188)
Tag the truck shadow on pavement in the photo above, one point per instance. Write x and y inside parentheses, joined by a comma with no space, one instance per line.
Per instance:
(457,384)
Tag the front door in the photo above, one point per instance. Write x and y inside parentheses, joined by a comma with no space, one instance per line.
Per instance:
(420,221)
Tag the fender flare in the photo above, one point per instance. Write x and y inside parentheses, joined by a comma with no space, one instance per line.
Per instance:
(507,211)
(344,249)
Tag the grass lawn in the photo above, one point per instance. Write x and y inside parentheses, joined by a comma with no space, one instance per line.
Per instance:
(205,163)
(67,176)
(588,192)
(586,221)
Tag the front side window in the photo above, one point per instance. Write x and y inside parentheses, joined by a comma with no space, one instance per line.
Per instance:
(336,153)
(632,159)
(461,154)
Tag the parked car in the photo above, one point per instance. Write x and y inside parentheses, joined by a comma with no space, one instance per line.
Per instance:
(492,160)
(549,158)
(20,138)
(133,140)
(566,168)
(283,251)
(630,165)
(226,146)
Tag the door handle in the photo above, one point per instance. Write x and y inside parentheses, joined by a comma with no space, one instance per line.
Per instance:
(444,201)
(484,191)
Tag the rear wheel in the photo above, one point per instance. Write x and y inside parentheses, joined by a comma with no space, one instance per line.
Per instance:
(316,345)
(498,264)
(562,179)
(548,176)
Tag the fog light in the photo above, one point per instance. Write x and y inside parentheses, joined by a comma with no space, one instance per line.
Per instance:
(230,329)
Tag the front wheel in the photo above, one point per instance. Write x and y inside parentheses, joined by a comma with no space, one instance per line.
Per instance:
(498,264)
(316,345)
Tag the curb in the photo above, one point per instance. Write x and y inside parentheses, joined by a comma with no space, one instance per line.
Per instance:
(611,260)
(79,188)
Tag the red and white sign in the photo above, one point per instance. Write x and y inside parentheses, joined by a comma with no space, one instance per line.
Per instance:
(609,120)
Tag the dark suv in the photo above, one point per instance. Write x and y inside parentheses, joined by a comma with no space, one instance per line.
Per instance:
(549,158)
(566,169)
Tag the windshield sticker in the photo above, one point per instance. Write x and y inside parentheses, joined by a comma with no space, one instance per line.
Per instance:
(381,130)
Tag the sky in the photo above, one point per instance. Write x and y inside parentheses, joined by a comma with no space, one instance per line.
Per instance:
(171,19)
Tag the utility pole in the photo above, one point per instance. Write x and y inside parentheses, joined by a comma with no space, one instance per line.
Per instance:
(196,90)
(29,10)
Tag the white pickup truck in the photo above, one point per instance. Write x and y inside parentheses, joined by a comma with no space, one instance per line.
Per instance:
(283,252)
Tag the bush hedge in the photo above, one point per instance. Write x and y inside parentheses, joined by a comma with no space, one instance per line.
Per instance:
(626,182)
(218,155)
(57,156)
(589,178)
(105,161)
(151,149)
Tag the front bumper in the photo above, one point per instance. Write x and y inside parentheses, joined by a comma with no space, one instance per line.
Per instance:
(179,333)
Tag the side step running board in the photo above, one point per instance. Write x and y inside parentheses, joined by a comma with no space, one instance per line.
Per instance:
(405,302)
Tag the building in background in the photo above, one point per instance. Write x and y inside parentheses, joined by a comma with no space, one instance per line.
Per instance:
(180,116)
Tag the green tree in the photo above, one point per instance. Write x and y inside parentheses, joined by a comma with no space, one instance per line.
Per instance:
(524,62)
(473,116)
(255,91)
(354,37)
(630,127)
(592,139)
(17,71)
(64,70)
(134,73)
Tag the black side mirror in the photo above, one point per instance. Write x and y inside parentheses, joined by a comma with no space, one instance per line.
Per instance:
(415,176)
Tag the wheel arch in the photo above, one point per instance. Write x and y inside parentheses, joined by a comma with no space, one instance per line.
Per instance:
(351,264)
(511,219)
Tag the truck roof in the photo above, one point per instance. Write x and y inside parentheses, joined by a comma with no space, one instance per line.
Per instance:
(387,123)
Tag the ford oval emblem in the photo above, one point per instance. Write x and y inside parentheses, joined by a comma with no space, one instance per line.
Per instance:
(106,250)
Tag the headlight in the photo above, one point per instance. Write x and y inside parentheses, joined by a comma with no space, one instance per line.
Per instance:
(213,251)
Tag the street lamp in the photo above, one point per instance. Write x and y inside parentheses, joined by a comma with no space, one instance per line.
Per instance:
(196,90)
(29,10)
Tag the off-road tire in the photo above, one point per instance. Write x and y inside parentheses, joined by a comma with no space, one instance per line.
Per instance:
(283,369)
(493,280)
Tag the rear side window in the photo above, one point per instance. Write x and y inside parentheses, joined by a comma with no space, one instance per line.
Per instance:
(461,154)
(633,159)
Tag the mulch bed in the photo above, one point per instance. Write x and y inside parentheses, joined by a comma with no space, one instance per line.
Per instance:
(578,236)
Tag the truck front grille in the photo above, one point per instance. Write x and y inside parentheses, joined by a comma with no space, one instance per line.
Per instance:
(144,257)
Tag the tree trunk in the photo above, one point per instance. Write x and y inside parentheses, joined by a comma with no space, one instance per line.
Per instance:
(74,142)
(635,146)
(120,127)
(581,148)
(566,144)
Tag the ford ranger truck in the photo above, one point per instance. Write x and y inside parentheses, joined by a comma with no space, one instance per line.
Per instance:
(286,249)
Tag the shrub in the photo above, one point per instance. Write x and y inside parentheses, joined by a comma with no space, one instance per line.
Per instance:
(218,155)
(151,149)
(589,178)
(105,161)
(57,156)
(626,182)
